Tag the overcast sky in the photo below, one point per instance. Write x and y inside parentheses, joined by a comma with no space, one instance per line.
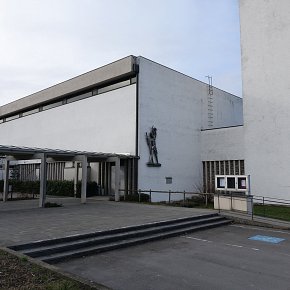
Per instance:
(44,42)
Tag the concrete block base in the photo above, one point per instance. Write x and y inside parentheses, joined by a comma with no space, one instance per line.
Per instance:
(238,203)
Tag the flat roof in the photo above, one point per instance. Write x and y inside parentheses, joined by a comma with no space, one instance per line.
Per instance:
(108,73)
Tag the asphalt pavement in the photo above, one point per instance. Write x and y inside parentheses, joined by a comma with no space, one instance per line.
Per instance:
(220,258)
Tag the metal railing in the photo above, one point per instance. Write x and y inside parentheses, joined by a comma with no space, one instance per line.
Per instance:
(170,196)
(270,207)
(254,205)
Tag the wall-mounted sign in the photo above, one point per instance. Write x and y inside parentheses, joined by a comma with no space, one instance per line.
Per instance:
(239,183)
(153,153)
(168,180)
(221,182)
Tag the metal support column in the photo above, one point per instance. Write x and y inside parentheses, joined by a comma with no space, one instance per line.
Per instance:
(130,177)
(117,179)
(43,179)
(103,178)
(135,174)
(126,176)
(84,179)
(99,174)
(6,180)
(76,178)
(107,177)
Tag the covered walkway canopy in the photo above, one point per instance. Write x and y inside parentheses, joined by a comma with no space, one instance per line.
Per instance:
(12,153)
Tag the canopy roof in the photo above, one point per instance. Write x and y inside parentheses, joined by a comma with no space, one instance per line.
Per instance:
(57,154)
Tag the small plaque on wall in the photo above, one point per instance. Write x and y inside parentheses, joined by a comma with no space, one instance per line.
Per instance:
(168,180)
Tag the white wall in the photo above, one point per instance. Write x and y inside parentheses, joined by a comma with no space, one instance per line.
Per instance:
(102,123)
(227,109)
(265,40)
(222,144)
(171,102)
(175,104)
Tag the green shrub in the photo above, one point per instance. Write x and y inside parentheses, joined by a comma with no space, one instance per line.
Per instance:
(60,187)
(31,187)
(135,197)
(54,187)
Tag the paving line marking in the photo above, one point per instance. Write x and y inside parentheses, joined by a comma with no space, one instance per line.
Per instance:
(231,245)
(239,246)
(260,229)
(197,239)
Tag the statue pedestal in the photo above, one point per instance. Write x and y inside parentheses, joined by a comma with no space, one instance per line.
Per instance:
(149,164)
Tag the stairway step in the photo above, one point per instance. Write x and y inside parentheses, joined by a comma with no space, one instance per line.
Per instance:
(59,257)
(73,245)
(41,243)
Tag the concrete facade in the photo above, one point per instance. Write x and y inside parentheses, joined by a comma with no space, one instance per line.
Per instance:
(177,106)
(265,40)
(223,144)
(172,103)
(222,109)
(80,125)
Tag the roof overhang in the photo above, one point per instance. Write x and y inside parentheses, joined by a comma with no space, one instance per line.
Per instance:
(112,72)
(28,153)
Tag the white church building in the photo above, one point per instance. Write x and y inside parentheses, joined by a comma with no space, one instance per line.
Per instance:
(139,108)
(173,132)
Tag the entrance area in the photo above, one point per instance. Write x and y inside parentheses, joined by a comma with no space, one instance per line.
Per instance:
(110,172)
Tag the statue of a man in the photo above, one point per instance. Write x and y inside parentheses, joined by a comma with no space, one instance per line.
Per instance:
(151,142)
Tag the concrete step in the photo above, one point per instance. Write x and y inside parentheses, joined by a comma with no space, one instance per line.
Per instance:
(60,257)
(108,238)
(77,237)
(57,250)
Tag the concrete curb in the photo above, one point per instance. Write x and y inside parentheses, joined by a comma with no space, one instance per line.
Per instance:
(57,270)
(257,221)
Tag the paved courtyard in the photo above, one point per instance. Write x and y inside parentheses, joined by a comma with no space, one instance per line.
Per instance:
(23,221)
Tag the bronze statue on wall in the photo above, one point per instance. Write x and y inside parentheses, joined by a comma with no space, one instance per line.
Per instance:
(153,153)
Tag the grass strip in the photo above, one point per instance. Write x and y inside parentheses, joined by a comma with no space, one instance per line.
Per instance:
(19,272)
(273,211)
